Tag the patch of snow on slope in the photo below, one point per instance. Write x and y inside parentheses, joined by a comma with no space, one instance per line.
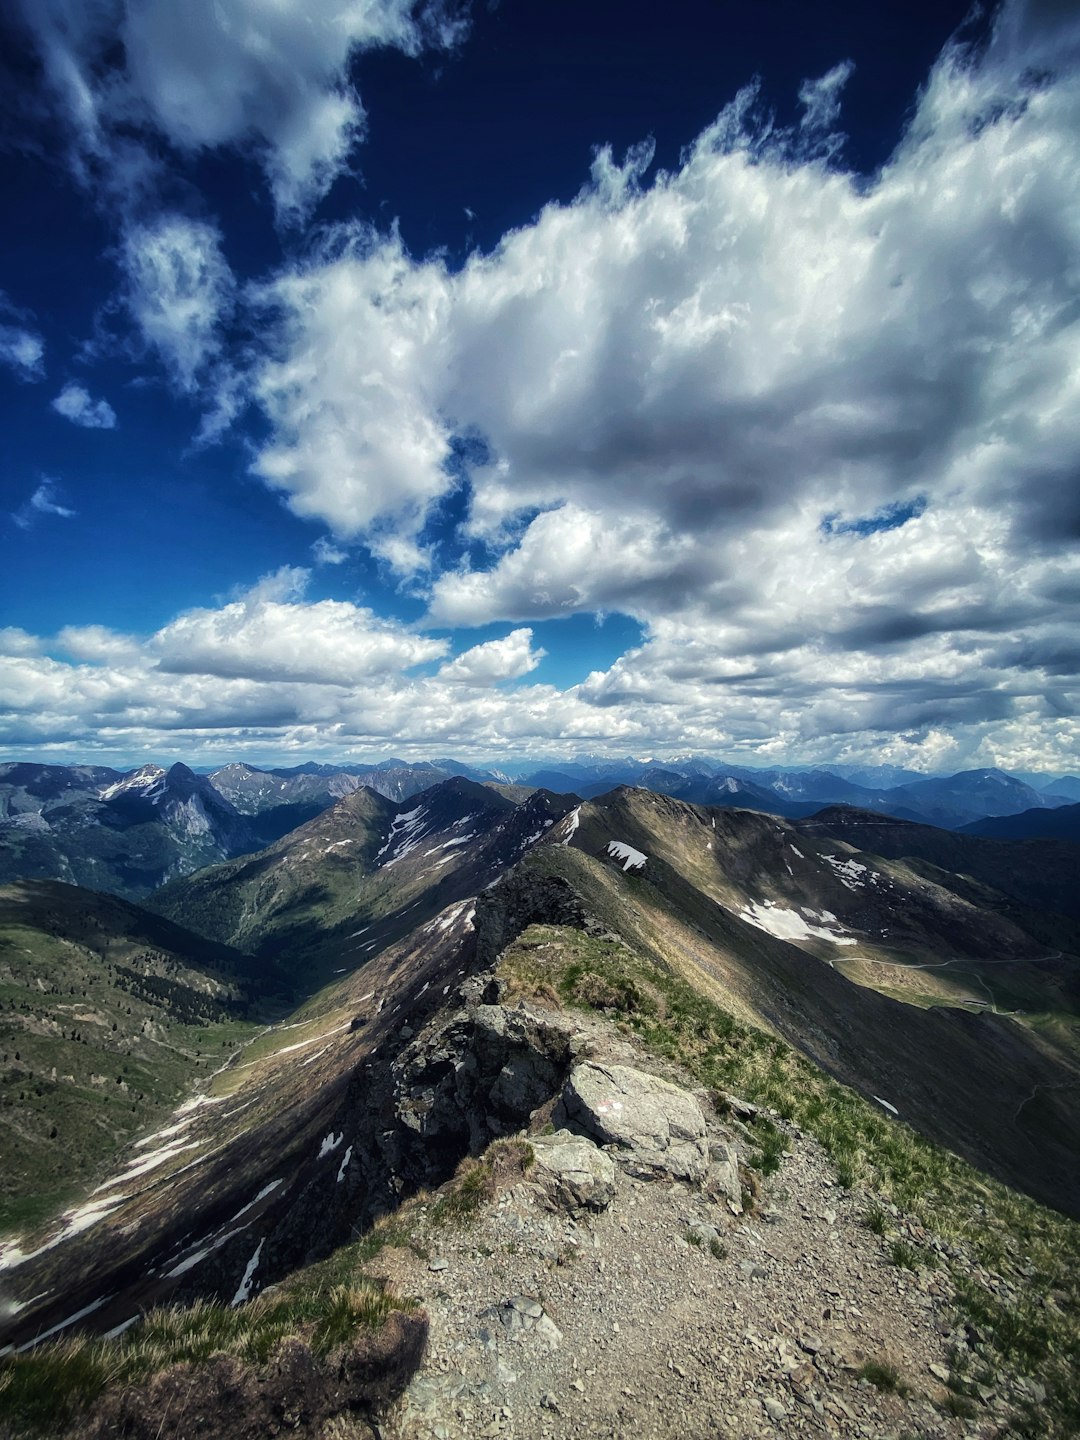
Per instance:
(330,1144)
(62,1325)
(891,1108)
(850,872)
(162,1134)
(266,1190)
(344,1165)
(243,1290)
(796,851)
(145,1163)
(789,924)
(403,828)
(75,1222)
(573,820)
(619,850)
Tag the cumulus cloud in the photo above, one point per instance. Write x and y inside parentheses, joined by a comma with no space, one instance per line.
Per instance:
(825,425)
(43,501)
(180,290)
(327,553)
(494,660)
(269,634)
(75,404)
(271,79)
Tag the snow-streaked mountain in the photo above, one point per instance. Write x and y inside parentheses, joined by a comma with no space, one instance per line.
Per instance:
(125,834)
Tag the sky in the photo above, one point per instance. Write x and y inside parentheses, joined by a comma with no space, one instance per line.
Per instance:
(533,378)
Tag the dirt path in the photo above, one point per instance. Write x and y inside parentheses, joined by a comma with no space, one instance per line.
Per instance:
(546,1327)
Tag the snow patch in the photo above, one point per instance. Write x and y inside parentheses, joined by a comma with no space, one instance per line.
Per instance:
(330,1144)
(266,1190)
(573,820)
(634,859)
(243,1290)
(789,924)
(891,1108)
(344,1165)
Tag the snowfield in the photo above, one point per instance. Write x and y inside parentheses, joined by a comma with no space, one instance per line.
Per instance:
(791,925)
(619,850)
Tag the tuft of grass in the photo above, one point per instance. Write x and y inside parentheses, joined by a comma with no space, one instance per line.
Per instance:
(883,1377)
(45,1390)
(717,1249)
(876,1219)
(478,1181)
(909,1257)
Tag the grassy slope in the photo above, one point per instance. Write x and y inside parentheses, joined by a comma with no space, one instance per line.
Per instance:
(1015,1264)
(106,1015)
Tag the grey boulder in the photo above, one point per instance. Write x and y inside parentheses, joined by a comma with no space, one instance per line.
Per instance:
(572,1171)
(660,1126)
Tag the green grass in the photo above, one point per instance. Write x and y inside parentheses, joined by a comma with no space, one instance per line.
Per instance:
(1035,1251)
(45,1390)
(882,1376)
(103,1027)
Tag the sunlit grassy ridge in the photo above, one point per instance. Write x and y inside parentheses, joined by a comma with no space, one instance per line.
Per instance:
(1031,1323)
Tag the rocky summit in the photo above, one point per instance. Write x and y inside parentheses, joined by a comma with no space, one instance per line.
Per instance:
(488,1113)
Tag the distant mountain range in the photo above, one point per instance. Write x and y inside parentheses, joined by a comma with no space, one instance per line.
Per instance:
(933,973)
(122,833)
(129,833)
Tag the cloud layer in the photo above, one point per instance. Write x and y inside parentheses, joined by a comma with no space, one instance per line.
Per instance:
(207,75)
(818,433)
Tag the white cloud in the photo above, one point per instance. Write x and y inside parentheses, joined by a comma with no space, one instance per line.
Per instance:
(681,384)
(42,502)
(494,660)
(327,553)
(820,99)
(75,404)
(22,351)
(269,634)
(272,79)
(180,291)
(16,641)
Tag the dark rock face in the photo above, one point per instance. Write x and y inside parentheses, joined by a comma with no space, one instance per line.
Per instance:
(521,899)
(480,1076)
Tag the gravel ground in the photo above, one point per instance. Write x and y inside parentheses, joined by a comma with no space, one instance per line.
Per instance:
(552,1326)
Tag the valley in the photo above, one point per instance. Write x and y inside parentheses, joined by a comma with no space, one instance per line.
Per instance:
(310,1037)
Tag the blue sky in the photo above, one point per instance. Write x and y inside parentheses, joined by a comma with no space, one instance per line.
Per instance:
(524,378)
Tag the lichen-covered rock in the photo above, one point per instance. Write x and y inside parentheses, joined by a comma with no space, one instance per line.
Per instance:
(573,1171)
(660,1125)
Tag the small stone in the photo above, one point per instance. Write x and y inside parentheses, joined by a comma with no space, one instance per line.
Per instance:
(773,1409)
(810,1343)
(578,1386)
(525,1305)
(439,1265)
(548,1401)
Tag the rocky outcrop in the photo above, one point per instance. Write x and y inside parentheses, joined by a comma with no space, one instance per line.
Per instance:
(520,899)
(482,1074)
(660,1127)
(572,1171)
